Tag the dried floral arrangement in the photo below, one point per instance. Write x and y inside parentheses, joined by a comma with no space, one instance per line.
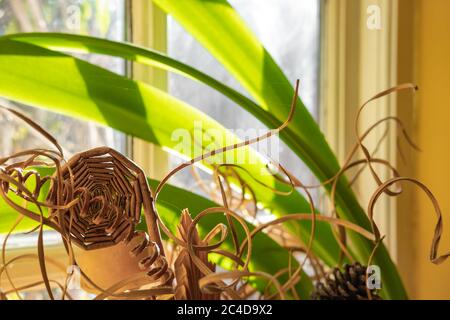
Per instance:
(95,200)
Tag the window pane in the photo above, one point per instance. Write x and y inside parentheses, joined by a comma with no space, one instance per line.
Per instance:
(92,17)
(290,31)
(101,18)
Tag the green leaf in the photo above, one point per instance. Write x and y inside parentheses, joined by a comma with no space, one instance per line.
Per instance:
(323,162)
(325,247)
(170,203)
(327,253)
(92,93)
(86,44)
(74,43)
(8,216)
(64,84)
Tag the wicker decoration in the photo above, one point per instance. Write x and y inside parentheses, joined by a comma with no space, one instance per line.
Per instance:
(349,284)
(112,191)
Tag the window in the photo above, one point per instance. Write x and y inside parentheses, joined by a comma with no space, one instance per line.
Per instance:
(296,51)
(105,19)
(290,30)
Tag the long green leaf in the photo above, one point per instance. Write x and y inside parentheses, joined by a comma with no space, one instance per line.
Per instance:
(67,85)
(77,88)
(218,27)
(86,44)
(74,43)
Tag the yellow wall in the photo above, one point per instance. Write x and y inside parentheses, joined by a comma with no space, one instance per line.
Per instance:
(432,132)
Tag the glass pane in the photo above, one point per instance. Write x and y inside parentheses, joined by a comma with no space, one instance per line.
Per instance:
(101,18)
(290,31)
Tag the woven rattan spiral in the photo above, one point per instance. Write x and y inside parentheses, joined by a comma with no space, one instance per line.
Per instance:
(112,192)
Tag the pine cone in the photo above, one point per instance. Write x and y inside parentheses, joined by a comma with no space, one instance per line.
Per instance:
(349,284)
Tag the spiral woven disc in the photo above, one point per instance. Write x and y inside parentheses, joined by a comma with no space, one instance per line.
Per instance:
(112,191)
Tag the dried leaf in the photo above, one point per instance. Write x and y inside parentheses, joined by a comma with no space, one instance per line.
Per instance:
(187,274)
